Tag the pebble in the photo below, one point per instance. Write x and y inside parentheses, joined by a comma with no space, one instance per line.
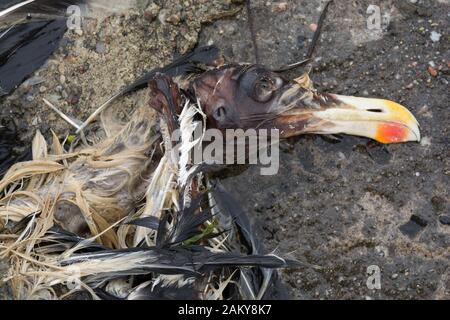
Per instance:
(280,7)
(42,89)
(174,19)
(100,47)
(432,71)
(313,27)
(394,276)
(445,220)
(33,81)
(151,12)
(435,36)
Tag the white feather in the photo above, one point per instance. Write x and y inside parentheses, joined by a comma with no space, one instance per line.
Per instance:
(187,127)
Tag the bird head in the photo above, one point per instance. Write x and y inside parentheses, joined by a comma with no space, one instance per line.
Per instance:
(254,97)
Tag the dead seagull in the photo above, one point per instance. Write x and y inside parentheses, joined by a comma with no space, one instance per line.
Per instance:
(132,217)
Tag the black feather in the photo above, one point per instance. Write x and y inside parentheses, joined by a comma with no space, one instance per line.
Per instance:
(251,280)
(36,9)
(188,260)
(58,240)
(186,64)
(187,223)
(147,222)
(28,37)
(25,48)
(231,208)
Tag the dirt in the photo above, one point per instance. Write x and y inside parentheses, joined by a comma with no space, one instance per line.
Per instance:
(340,205)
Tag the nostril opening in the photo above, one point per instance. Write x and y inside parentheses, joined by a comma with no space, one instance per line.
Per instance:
(220,113)
(375,110)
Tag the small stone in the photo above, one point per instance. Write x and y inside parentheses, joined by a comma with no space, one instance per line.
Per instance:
(42,89)
(432,71)
(394,276)
(313,27)
(174,19)
(149,16)
(74,99)
(62,79)
(280,6)
(435,36)
(100,47)
(151,12)
(419,220)
(445,220)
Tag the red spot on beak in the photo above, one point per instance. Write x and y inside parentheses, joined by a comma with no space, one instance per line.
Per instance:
(391,133)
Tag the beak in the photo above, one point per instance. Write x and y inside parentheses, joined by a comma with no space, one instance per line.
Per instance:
(382,120)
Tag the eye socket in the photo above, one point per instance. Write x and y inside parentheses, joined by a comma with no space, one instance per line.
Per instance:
(220,114)
(265,87)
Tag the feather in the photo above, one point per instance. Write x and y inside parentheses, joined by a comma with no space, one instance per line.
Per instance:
(96,268)
(161,290)
(254,283)
(25,48)
(14,11)
(30,31)
(188,129)
(187,223)
(21,8)
(182,66)
(231,209)
(146,222)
